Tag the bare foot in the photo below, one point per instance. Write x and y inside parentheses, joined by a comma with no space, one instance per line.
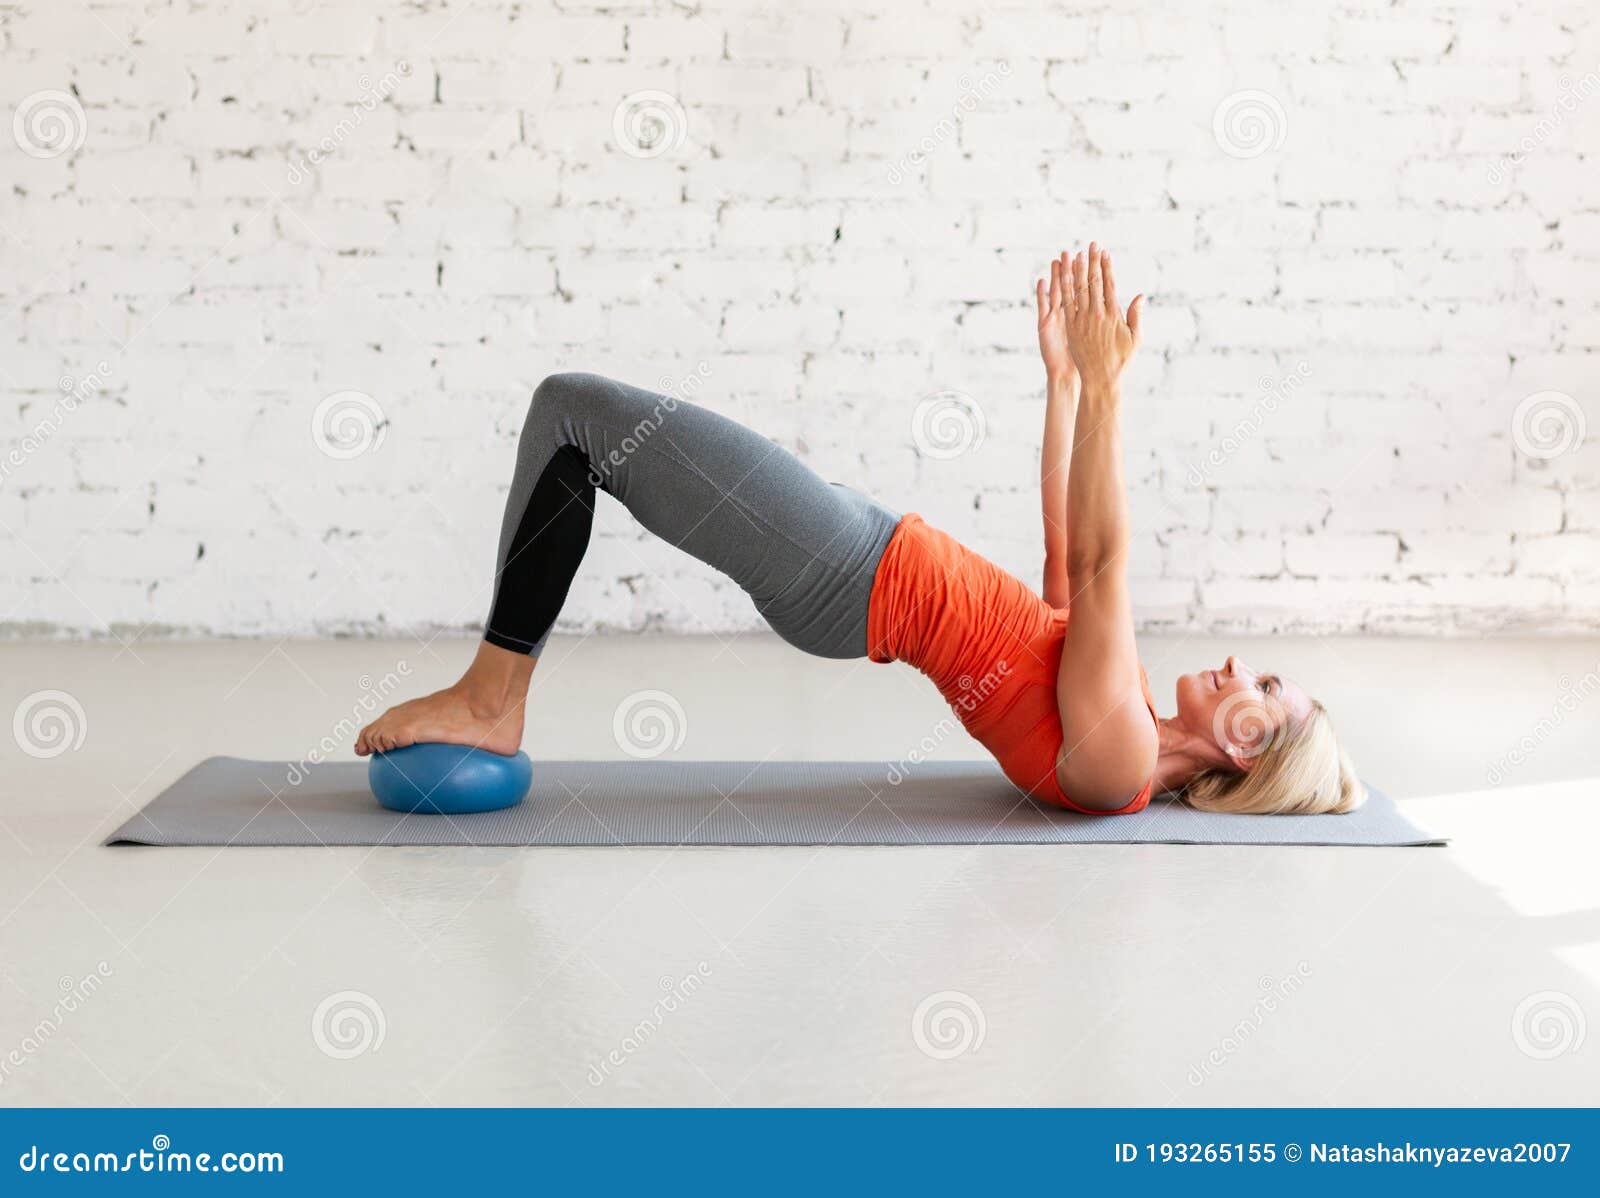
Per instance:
(484,710)
(447,716)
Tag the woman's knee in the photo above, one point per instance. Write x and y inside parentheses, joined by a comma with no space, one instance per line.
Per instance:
(562,392)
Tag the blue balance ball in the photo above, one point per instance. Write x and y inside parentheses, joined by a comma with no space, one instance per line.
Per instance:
(441,779)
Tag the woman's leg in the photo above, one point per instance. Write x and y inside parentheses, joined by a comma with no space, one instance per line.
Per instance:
(805,550)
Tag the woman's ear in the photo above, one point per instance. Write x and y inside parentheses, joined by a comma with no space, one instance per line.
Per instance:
(1242,759)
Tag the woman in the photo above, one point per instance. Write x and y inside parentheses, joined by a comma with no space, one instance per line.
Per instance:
(1061,701)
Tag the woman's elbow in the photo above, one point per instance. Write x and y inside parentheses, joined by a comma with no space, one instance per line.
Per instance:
(1057,590)
(1085,568)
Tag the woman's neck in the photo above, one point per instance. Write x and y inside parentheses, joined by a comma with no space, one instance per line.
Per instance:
(1180,755)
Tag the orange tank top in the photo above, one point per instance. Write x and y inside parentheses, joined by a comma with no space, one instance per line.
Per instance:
(989,643)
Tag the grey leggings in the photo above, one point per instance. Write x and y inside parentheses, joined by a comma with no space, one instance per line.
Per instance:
(805,550)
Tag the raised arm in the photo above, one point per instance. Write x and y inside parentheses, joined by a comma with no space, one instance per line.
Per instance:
(1110,744)
(1060,409)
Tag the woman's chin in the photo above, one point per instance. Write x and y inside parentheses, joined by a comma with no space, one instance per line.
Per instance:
(1190,689)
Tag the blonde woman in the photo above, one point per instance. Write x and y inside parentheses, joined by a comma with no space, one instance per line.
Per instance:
(1051,686)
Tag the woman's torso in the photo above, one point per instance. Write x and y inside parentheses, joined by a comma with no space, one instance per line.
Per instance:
(988,642)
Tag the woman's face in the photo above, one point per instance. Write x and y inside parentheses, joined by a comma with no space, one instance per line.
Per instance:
(1238,710)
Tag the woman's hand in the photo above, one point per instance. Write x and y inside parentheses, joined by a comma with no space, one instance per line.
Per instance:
(1100,340)
(1058,366)
(1060,413)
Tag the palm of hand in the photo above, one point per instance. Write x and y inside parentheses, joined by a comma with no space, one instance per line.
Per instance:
(1053,340)
(1053,343)
(1099,338)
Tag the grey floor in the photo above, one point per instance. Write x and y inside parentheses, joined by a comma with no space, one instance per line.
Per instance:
(1006,974)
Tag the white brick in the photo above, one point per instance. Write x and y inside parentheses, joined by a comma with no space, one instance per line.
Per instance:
(1392,35)
(498,272)
(50,27)
(1338,555)
(711,182)
(147,82)
(1191,556)
(853,219)
(391,177)
(768,36)
(769,226)
(1017,34)
(1457,83)
(1560,556)
(1136,36)
(1492,36)
(136,175)
(673,38)
(1583,511)
(342,30)
(1446,553)
(1382,229)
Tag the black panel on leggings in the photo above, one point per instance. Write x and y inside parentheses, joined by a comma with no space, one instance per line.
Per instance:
(550,542)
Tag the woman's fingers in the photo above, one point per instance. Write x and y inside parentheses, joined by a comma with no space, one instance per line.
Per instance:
(1080,278)
(1068,296)
(1055,284)
(1135,315)
(1110,284)
(1039,298)
(1096,283)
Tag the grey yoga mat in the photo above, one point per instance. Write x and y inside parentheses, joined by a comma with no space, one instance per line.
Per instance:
(231,801)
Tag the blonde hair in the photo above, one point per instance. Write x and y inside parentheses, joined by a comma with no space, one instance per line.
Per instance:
(1302,770)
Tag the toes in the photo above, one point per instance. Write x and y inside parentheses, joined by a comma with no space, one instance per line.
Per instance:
(382,736)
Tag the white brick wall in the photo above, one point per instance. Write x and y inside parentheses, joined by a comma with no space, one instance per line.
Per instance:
(429,205)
